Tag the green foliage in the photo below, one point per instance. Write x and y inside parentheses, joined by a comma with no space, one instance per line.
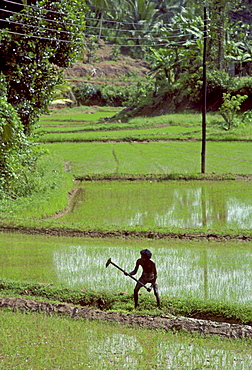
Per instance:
(86,94)
(247,117)
(120,95)
(116,52)
(18,154)
(10,126)
(90,48)
(112,95)
(33,55)
(219,80)
(177,68)
(230,107)
(33,50)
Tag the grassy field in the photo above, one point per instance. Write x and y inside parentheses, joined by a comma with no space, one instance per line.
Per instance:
(97,126)
(89,144)
(174,159)
(153,158)
(60,343)
(85,143)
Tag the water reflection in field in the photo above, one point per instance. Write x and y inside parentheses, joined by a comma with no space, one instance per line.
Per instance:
(217,273)
(223,204)
(215,270)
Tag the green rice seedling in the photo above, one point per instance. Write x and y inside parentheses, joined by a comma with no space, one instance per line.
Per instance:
(170,126)
(43,342)
(199,270)
(80,110)
(154,158)
(163,133)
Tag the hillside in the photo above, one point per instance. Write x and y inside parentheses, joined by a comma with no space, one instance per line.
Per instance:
(105,66)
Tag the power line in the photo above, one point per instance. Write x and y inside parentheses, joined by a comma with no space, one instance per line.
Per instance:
(122,23)
(37,37)
(164,39)
(87,18)
(33,16)
(34,7)
(25,35)
(94,19)
(93,27)
(37,27)
(212,11)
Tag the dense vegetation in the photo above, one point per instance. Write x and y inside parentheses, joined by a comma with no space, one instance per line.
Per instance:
(35,50)
(35,44)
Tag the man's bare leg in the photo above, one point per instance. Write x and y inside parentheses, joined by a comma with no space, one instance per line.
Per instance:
(136,290)
(155,288)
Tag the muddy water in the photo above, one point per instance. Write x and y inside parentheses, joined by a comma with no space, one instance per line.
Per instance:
(214,270)
(193,204)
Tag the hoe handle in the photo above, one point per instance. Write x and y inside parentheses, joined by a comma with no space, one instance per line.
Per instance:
(132,277)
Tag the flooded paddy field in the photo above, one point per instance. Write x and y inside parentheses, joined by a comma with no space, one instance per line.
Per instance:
(219,271)
(179,204)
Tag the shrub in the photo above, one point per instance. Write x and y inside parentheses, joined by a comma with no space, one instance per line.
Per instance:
(111,95)
(87,94)
(18,154)
(230,107)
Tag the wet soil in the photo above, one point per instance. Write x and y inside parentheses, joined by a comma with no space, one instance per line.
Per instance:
(164,322)
(125,234)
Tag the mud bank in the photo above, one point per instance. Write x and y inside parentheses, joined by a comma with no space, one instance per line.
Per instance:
(125,234)
(164,322)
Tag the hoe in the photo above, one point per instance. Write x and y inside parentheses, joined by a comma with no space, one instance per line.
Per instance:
(132,277)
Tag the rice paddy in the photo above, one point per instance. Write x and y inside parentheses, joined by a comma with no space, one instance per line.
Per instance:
(154,205)
(153,157)
(204,270)
(56,342)
(207,270)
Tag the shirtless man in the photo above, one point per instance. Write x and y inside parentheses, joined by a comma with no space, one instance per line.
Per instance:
(149,275)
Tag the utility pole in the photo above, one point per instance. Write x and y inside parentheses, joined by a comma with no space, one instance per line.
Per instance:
(204,93)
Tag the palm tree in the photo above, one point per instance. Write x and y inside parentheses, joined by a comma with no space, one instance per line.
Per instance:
(100,7)
(142,22)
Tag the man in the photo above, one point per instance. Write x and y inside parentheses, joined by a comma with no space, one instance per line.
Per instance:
(149,275)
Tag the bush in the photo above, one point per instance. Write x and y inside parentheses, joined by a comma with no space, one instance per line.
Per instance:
(18,155)
(230,107)
(111,95)
(87,94)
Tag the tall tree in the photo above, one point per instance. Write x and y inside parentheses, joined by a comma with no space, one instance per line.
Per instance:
(228,18)
(35,45)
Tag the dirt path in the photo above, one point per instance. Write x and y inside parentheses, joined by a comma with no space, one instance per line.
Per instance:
(204,327)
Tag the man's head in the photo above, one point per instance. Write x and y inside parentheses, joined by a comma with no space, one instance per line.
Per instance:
(145,253)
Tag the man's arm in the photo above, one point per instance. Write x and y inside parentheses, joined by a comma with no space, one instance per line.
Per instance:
(135,269)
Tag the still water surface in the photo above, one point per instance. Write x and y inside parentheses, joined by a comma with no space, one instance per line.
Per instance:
(192,204)
(214,270)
